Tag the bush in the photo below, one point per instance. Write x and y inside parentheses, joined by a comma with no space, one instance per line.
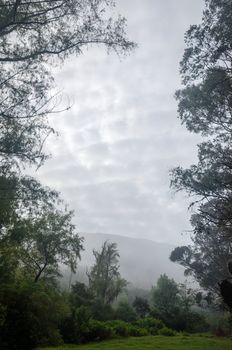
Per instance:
(31,316)
(183,320)
(195,322)
(101,312)
(98,330)
(120,328)
(135,331)
(220,325)
(123,329)
(152,325)
(75,328)
(167,332)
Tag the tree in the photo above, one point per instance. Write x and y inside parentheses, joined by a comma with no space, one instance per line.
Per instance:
(81,295)
(104,276)
(206,259)
(47,242)
(205,107)
(173,305)
(165,296)
(33,36)
(32,315)
(38,235)
(141,306)
(20,198)
(125,312)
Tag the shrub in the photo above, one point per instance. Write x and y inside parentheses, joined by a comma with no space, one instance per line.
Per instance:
(123,329)
(101,312)
(195,322)
(98,330)
(135,331)
(220,325)
(167,332)
(152,325)
(31,316)
(75,328)
(120,328)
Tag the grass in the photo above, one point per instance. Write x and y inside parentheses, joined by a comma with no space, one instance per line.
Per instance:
(155,343)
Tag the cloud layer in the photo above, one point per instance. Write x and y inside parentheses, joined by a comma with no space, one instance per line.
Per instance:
(122,136)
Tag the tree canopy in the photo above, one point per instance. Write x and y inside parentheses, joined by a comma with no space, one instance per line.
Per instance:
(205,107)
(34,35)
(104,276)
(37,235)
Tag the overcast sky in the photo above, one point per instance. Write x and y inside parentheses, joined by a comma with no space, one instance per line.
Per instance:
(121,137)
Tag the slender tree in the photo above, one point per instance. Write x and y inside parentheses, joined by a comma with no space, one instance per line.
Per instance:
(104,277)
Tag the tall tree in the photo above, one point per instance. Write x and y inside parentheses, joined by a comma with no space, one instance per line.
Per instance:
(205,107)
(104,277)
(34,35)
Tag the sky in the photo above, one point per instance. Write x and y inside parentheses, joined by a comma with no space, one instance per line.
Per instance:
(122,136)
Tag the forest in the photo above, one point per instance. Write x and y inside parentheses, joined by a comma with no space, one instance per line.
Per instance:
(38,234)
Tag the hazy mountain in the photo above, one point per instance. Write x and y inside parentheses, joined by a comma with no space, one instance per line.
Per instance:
(141,261)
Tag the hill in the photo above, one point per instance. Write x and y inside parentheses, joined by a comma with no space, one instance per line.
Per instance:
(141,261)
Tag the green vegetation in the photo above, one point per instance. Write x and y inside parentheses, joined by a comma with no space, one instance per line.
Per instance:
(158,342)
(205,108)
(37,235)
(36,231)
(173,304)
(104,277)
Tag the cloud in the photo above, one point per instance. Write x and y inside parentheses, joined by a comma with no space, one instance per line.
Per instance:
(122,136)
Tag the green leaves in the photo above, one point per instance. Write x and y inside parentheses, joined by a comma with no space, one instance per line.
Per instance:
(104,277)
(205,107)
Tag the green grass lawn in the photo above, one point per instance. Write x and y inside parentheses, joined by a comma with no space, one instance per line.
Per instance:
(155,343)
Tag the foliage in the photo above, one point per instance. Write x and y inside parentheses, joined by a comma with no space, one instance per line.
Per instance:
(172,303)
(167,332)
(44,32)
(80,295)
(75,327)
(165,296)
(136,331)
(125,312)
(124,329)
(37,236)
(120,327)
(220,324)
(49,241)
(32,315)
(206,259)
(205,107)
(152,325)
(141,306)
(36,232)
(98,330)
(101,311)
(80,328)
(104,278)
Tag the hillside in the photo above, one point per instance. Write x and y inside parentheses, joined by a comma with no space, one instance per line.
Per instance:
(141,261)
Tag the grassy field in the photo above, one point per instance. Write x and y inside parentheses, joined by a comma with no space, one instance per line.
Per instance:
(155,343)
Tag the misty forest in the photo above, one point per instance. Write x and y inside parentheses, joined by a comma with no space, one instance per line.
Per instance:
(116,174)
